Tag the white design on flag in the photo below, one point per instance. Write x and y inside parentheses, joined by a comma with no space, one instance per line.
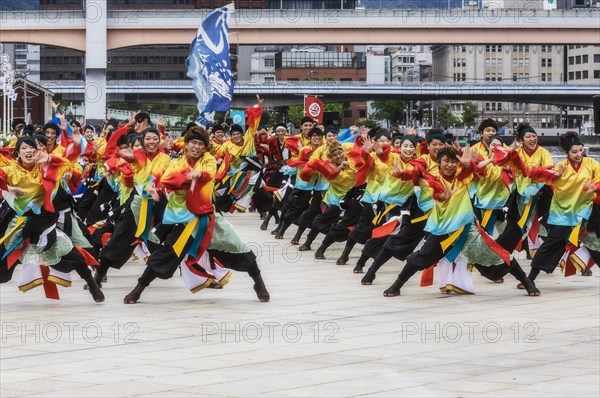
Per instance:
(314,110)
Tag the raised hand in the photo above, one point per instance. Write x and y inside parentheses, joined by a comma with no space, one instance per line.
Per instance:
(76,137)
(42,157)
(465,158)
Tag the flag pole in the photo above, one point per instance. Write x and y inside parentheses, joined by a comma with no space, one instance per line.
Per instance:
(304,104)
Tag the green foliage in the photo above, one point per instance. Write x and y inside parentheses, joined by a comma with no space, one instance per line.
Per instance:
(469,114)
(446,119)
(186,114)
(363,121)
(393,111)
(295,114)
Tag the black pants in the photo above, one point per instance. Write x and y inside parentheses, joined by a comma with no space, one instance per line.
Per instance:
(548,255)
(298,202)
(314,209)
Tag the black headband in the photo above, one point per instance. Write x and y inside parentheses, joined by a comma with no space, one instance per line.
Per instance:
(408,138)
(436,136)
(569,144)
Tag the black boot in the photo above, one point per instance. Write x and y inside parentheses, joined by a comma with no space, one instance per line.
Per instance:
(404,276)
(265,223)
(91,285)
(587,271)
(84,273)
(312,234)
(526,282)
(320,253)
(135,294)
(370,275)
(296,238)
(99,276)
(343,260)
(261,289)
(281,229)
(360,264)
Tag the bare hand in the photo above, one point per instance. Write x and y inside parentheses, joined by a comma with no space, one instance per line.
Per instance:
(68,175)
(16,191)
(42,157)
(465,158)
(589,187)
(193,174)
(259,101)
(151,189)
(344,165)
(447,193)
(76,137)
(559,170)
(126,153)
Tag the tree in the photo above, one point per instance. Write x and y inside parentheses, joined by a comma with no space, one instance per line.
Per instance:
(469,114)
(445,118)
(363,121)
(392,111)
(186,114)
(295,114)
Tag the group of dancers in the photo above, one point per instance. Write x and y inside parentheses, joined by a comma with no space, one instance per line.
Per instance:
(74,199)
(427,202)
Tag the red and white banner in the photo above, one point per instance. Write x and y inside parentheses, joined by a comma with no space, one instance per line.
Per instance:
(313,108)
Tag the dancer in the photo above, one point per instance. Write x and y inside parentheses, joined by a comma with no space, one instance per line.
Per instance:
(198,237)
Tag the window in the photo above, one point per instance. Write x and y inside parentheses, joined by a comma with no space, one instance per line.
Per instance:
(597,58)
(571,75)
(585,74)
(597,74)
(269,62)
(269,79)
(362,113)
(578,59)
(584,59)
(578,75)
(571,60)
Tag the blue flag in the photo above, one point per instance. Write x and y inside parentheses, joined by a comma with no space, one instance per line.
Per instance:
(238,116)
(209,65)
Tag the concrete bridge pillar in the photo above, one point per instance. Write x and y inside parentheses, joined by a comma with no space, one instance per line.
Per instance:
(95,60)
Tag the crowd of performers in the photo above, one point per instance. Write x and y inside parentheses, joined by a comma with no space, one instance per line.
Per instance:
(75,200)
(434,204)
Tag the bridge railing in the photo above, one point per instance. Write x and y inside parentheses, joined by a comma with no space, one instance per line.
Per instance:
(325,14)
(317,83)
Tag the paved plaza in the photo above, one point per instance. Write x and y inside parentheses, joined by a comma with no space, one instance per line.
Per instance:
(322,334)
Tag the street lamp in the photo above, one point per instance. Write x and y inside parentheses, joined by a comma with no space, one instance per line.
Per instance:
(23,74)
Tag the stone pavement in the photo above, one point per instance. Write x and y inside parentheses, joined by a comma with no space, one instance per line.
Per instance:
(322,334)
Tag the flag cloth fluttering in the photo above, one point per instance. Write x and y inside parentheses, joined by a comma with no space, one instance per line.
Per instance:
(209,65)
